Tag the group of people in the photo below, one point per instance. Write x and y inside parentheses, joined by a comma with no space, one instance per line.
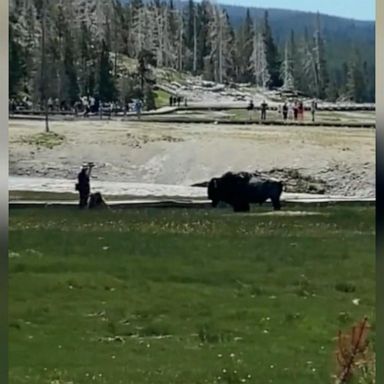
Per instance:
(292,110)
(176,101)
(86,105)
(90,104)
(263,109)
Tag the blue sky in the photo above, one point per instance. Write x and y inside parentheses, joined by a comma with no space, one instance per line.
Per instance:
(355,9)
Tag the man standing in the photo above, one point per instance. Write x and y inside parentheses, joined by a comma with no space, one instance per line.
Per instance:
(295,110)
(313,109)
(285,111)
(264,107)
(50,104)
(138,107)
(250,108)
(83,185)
(301,110)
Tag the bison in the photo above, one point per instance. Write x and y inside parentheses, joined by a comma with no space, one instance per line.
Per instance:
(242,189)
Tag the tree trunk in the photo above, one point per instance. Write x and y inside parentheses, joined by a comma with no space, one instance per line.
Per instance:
(44,100)
(194,41)
(181,44)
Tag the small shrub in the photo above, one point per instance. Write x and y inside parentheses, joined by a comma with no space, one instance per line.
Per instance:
(344,317)
(291,317)
(355,357)
(207,334)
(345,287)
(154,329)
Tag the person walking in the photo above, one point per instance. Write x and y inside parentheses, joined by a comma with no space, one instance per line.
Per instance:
(83,184)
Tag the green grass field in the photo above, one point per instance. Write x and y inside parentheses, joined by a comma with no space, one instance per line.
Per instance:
(185,296)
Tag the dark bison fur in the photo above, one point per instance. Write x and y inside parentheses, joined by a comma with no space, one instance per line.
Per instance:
(96,201)
(242,189)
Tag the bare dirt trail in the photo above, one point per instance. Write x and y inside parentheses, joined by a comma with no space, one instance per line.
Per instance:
(341,159)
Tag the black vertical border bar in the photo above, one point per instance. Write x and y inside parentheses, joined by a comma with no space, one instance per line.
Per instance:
(4,191)
(379,190)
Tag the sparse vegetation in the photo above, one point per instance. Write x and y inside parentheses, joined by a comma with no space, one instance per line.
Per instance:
(43,140)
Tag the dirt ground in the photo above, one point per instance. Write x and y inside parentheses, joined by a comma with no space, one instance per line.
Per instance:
(327,160)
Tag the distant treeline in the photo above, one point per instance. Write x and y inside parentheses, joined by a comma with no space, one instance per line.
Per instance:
(68,48)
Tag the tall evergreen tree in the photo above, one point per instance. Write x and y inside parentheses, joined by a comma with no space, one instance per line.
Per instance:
(355,80)
(146,59)
(17,62)
(272,54)
(244,49)
(106,87)
(87,60)
(71,82)
(203,44)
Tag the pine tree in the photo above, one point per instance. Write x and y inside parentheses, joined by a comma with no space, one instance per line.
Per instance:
(71,83)
(149,98)
(295,59)
(244,49)
(106,87)
(145,60)
(220,58)
(87,60)
(309,80)
(17,62)
(258,62)
(321,71)
(138,20)
(203,43)
(172,32)
(272,55)
(356,90)
(287,72)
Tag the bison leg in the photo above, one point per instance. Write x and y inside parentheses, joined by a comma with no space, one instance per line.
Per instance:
(241,207)
(276,204)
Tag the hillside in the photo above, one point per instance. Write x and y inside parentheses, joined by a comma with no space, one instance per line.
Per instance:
(321,56)
(344,33)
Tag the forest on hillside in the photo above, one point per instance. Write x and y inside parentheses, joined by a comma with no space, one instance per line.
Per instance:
(69,48)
